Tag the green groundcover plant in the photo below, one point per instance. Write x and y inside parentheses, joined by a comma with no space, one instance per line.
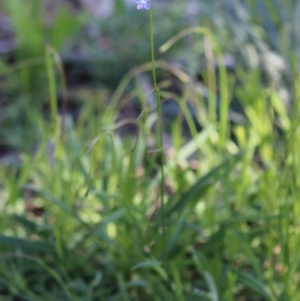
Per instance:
(166,212)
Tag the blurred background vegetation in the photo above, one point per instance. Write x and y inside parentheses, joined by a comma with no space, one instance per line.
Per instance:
(98,50)
(79,202)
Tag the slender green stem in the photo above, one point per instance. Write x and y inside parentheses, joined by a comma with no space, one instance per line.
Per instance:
(52,91)
(159,137)
(152,51)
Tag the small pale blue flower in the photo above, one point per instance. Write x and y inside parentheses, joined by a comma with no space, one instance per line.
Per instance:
(142,4)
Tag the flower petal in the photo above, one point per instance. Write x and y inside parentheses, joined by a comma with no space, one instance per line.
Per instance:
(142,4)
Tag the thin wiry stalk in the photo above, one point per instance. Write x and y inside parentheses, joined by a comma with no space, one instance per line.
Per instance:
(159,136)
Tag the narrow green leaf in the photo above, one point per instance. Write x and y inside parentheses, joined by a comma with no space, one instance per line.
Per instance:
(253,283)
(28,245)
(146,264)
(212,286)
(198,190)
(177,231)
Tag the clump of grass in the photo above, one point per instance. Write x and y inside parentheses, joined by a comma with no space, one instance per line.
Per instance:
(82,218)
